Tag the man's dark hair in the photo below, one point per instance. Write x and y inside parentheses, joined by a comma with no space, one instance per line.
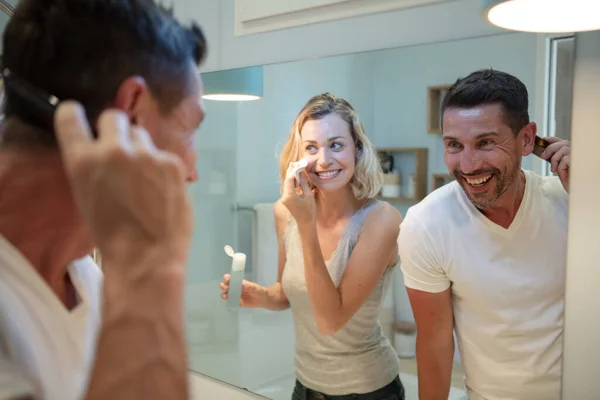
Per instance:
(84,49)
(488,86)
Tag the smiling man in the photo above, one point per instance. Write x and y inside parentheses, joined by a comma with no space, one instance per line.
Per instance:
(486,254)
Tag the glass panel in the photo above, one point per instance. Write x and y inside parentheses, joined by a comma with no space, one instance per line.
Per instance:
(560,88)
(212,330)
(562,68)
(397,94)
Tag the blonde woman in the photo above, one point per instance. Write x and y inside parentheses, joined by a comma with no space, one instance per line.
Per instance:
(337,248)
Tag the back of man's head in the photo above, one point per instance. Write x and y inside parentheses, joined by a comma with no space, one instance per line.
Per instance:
(85,49)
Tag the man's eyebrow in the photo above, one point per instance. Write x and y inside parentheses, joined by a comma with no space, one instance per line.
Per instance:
(479,136)
(484,134)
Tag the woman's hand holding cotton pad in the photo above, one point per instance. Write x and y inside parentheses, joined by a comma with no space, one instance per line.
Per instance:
(298,167)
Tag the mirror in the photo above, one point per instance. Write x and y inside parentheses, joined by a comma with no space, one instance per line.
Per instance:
(397,93)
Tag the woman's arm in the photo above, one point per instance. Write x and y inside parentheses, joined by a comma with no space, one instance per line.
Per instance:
(275,298)
(375,248)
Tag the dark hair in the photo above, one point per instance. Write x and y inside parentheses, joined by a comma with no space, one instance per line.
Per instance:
(489,86)
(85,49)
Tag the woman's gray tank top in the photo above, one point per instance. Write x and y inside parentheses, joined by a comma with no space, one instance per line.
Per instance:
(356,359)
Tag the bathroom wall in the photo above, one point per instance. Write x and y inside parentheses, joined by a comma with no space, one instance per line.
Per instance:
(455,19)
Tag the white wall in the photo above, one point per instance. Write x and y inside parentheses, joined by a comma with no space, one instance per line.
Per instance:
(428,24)
(582,313)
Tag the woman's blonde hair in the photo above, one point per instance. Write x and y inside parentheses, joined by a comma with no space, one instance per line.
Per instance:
(368,175)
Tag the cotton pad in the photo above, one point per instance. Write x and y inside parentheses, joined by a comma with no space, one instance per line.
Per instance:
(298,167)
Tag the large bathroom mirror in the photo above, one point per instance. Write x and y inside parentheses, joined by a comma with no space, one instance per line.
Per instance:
(397,93)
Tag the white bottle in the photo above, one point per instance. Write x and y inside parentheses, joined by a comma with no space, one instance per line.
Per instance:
(238,266)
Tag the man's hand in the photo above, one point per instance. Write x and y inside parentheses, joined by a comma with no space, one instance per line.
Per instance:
(133,197)
(132,194)
(558,153)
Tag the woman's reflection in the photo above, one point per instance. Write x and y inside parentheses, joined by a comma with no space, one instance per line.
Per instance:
(337,249)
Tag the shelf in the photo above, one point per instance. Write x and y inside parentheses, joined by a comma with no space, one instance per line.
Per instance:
(439,180)
(435,96)
(418,168)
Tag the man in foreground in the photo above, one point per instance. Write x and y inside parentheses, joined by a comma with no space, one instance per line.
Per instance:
(486,254)
(66,331)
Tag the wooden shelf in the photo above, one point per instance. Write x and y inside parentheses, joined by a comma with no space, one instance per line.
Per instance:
(439,180)
(418,168)
(435,96)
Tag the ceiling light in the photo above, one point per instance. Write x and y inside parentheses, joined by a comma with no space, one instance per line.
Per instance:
(544,16)
(242,84)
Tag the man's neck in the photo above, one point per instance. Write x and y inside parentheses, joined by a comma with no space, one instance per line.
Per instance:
(38,215)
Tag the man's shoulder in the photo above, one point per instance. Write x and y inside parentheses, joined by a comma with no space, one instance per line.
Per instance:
(438,209)
(550,187)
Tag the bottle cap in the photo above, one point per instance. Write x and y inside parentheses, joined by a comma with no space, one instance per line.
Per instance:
(229,251)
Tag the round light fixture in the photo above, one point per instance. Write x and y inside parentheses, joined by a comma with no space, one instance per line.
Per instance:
(544,16)
(241,84)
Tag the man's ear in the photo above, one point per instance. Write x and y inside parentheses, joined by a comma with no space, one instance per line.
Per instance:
(527,137)
(130,94)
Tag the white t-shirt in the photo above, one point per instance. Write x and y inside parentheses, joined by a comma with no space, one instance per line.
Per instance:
(46,351)
(507,285)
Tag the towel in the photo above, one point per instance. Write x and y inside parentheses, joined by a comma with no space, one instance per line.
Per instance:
(264,245)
